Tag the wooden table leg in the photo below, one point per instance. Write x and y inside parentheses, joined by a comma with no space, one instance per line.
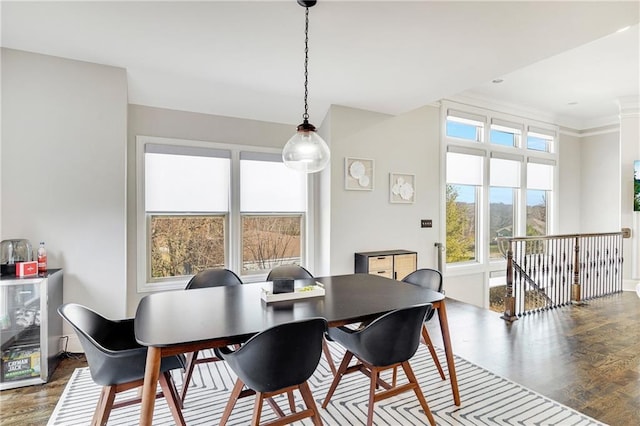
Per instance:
(444,327)
(151,375)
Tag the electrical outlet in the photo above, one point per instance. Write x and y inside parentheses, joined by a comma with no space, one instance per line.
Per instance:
(426,223)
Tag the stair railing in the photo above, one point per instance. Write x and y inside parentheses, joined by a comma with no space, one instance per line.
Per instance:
(550,271)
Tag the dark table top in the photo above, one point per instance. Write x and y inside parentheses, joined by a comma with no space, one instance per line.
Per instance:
(237,312)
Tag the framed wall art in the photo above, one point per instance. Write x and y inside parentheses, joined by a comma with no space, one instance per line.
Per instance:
(358,174)
(402,188)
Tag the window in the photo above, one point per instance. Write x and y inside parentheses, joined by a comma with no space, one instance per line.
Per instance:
(505,133)
(464,180)
(272,205)
(203,205)
(504,181)
(539,139)
(462,125)
(539,186)
(499,172)
(462,209)
(186,220)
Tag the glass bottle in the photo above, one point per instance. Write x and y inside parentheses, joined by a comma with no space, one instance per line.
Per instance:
(42,258)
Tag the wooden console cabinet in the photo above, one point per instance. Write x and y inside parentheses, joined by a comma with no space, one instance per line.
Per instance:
(394,264)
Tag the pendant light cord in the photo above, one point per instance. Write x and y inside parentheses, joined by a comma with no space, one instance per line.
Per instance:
(305,116)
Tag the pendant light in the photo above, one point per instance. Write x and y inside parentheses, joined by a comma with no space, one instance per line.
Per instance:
(306,151)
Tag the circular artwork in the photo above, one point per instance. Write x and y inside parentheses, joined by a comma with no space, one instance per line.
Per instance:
(357,170)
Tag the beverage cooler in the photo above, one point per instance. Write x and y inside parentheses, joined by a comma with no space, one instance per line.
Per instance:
(30,328)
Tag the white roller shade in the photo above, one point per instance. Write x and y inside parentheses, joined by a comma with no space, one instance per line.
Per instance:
(539,176)
(269,186)
(463,169)
(504,173)
(186,183)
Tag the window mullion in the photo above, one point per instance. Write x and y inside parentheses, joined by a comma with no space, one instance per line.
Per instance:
(233,244)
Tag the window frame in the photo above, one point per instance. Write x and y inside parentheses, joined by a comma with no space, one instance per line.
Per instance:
(233,222)
(488,150)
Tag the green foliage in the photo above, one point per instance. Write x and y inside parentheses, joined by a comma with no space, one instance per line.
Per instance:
(460,228)
(636,195)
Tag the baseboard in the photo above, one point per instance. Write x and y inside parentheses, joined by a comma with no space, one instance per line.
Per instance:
(71,343)
(629,285)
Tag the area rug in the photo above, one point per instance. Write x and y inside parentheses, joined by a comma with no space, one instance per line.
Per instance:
(487,399)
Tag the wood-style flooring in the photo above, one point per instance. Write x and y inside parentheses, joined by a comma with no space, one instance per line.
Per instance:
(586,357)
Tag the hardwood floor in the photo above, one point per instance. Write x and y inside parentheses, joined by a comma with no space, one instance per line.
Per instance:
(586,357)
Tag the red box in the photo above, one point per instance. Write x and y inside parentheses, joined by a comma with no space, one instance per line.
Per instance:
(24,269)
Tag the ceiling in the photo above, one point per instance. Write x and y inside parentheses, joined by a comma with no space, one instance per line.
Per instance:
(245,58)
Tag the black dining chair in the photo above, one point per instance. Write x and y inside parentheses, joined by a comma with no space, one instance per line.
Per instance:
(214,277)
(387,342)
(297,272)
(432,280)
(277,360)
(117,362)
(292,271)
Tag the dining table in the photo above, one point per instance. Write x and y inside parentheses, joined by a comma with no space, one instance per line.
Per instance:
(183,321)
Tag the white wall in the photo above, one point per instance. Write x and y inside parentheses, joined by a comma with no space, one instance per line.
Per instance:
(366,220)
(629,153)
(569,193)
(64,128)
(600,183)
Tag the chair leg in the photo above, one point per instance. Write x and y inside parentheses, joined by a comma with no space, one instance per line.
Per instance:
(233,398)
(416,389)
(188,371)
(372,395)
(103,409)
(336,379)
(292,401)
(427,342)
(327,355)
(394,377)
(257,409)
(171,396)
(311,404)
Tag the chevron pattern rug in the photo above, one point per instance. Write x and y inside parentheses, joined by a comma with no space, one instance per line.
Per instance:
(487,399)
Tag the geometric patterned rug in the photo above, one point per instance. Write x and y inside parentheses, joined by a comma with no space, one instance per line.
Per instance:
(486,399)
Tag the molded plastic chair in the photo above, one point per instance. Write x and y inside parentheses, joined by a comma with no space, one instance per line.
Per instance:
(215,277)
(292,271)
(116,361)
(297,272)
(387,342)
(277,360)
(431,279)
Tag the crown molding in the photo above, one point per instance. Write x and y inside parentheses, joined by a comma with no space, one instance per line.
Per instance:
(629,106)
(601,130)
(477,100)
(578,125)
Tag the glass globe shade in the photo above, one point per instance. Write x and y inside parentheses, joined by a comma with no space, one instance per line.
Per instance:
(306,151)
